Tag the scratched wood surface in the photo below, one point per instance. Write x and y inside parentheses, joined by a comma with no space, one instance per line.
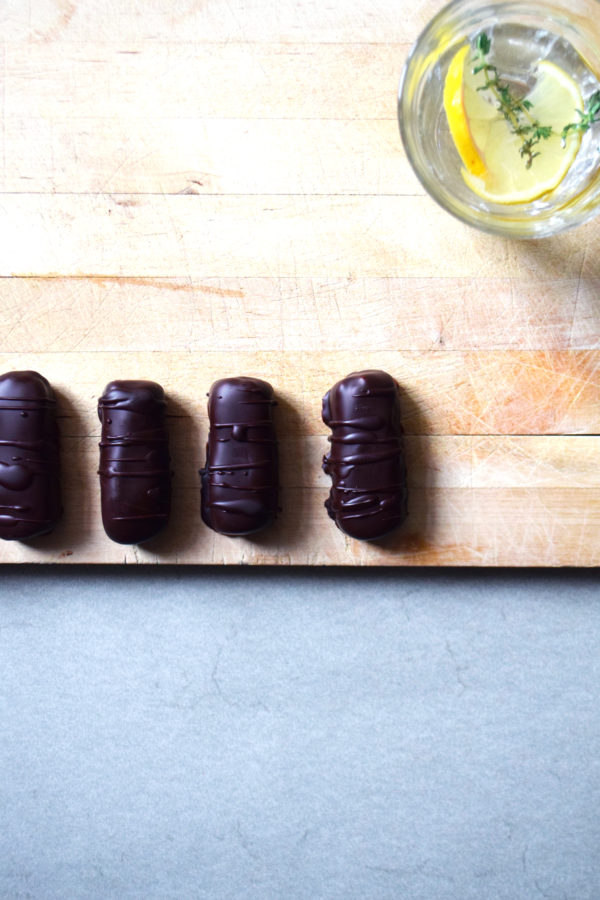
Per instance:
(218,187)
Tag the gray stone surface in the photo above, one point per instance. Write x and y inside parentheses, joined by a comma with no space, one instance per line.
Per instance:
(299,734)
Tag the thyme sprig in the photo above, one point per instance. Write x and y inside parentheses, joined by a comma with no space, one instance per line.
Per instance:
(518,110)
(586,119)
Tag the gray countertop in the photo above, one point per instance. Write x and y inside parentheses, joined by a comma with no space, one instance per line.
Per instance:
(243,733)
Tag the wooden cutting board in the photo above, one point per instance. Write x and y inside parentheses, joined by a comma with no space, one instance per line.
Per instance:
(204,189)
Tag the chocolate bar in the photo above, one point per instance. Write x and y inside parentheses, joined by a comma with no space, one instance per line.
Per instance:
(366,460)
(240,477)
(30,503)
(135,475)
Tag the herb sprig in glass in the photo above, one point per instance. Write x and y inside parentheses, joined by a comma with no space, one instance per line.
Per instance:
(586,119)
(519,112)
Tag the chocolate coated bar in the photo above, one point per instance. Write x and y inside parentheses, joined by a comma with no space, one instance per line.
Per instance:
(366,461)
(29,462)
(135,476)
(240,478)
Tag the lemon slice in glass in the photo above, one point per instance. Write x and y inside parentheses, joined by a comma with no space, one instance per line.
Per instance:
(494,169)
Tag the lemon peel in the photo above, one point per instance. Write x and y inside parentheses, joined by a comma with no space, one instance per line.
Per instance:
(456,114)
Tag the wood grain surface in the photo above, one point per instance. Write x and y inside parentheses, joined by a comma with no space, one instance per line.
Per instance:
(202,189)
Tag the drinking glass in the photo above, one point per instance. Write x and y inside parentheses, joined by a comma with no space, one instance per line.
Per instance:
(566,32)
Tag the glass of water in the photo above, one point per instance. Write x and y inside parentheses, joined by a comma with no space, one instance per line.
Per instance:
(470,128)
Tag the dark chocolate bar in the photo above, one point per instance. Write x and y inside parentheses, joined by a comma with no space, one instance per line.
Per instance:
(240,478)
(135,475)
(29,460)
(366,461)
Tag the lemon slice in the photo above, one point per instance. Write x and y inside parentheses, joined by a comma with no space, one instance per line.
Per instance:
(455,87)
(493,166)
